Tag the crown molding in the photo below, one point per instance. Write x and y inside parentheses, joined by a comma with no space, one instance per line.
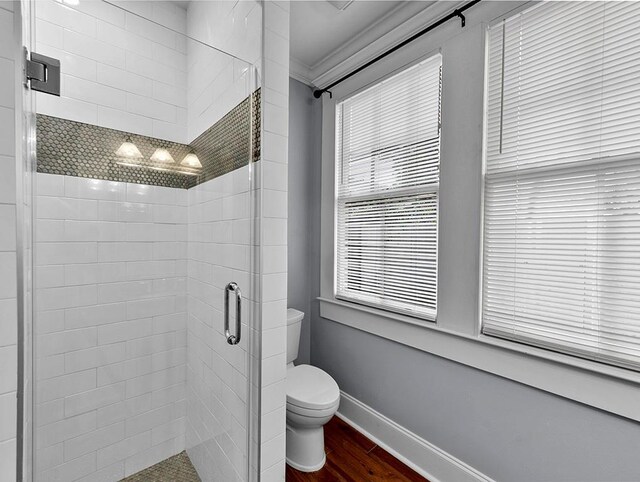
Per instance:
(300,71)
(382,36)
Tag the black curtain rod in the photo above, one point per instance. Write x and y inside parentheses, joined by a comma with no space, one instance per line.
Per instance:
(457,13)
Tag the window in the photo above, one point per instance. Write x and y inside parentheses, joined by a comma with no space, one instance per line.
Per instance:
(457,335)
(562,180)
(388,164)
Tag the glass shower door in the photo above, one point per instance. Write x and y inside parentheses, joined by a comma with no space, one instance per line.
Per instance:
(143,226)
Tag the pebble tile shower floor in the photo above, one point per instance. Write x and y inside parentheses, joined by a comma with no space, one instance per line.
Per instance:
(174,469)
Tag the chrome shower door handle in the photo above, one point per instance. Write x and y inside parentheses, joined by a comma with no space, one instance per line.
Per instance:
(233,339)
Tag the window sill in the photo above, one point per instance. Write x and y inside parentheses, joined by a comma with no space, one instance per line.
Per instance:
(605,387)
(387,313)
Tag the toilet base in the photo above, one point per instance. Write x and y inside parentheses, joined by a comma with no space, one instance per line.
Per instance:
(301,468)
(305,448)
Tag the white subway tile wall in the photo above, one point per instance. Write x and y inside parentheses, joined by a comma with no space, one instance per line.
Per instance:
(118,70)
(8,271)
(219,252)
(216,81)
(273,244)
(112,308)
(110,329)
(220,248)
(232,27)
(125,72)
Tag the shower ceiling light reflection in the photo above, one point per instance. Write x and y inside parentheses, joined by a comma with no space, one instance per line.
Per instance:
(191,160)
(162,155)
(129,150)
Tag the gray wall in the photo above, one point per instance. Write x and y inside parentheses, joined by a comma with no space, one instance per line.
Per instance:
(509,431)
(506,430)
(305,114)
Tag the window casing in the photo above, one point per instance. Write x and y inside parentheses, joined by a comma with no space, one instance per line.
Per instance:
(387,178)
(561,250)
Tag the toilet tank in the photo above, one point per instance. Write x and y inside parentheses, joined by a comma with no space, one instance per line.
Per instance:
(294,325)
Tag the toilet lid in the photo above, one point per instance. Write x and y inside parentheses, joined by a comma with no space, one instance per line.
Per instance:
(311,388)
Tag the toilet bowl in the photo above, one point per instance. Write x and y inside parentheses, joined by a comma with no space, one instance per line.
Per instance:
(313,398)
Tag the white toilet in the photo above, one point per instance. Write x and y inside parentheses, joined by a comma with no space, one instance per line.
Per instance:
(312,399)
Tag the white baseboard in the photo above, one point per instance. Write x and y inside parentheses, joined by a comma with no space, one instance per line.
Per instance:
(423,457)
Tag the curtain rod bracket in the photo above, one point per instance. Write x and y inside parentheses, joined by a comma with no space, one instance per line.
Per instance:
(463,20)
(318,93)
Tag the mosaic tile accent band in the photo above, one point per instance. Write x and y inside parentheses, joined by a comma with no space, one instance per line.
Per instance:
(226,146)
(83,150)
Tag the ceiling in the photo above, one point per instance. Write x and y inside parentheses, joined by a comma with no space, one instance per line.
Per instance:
(322,36)
(318,28)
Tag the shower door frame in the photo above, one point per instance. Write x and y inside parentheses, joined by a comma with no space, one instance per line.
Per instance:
(25,180)
(24,23)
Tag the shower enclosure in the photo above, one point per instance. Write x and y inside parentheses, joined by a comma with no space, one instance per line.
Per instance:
(141,239)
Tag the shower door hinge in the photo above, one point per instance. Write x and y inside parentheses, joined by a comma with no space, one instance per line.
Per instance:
(42,73)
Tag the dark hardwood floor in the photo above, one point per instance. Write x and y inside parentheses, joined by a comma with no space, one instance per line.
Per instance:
(352,457)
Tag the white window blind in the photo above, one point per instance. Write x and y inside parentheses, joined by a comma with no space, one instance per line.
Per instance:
(388,167)
(562,180)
